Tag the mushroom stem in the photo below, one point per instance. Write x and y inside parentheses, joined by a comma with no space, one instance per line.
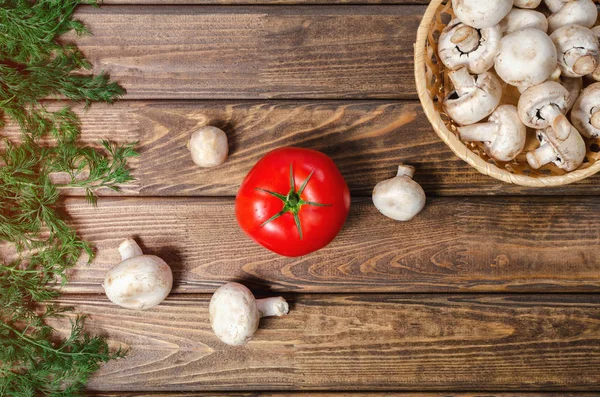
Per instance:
(466,39)
(482,132)
(584,65)
(541,156)
(407,170)
(463,81)
(272,307)
(595,119)
(555,76)
(557,120)
(129,249)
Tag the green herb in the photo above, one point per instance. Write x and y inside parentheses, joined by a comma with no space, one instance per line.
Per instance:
(35,66)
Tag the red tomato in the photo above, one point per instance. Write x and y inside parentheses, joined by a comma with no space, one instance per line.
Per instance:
(293,202)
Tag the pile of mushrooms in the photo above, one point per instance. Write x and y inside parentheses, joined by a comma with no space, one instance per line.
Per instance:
(550,52)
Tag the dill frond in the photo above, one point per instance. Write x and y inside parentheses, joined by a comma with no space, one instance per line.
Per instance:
(35,66)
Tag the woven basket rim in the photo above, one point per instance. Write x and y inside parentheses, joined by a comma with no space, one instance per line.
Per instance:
(455,144)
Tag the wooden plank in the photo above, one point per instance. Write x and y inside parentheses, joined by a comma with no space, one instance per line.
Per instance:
(367,139)
(528,244)
(360,342)
(255,51)
(340,394)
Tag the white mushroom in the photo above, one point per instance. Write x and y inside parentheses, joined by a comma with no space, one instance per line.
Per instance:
(478,96)
(571,12)
(577,49)
(543,106)
(585,115)
(526,58)
(518,19)
(208,146)
(399,198)
(527,3)
(481,14)
(504,134)
(235,313)
(573,86)
(140,281)
(462,45)
(568,153)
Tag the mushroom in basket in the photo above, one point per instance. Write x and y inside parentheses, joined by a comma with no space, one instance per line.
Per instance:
(481,14)
(518,19)
(543,106)
(585,115)
(526,58)
(503,135)
(571,12)
(577,49)
(462,45)
(527,3)
(567,153)
(474,97)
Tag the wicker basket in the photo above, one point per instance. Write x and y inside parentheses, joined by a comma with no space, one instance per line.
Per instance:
(433,86)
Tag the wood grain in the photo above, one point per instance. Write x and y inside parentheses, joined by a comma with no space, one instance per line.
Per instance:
(456,244)
(360,342)
(255,51)
(367,139)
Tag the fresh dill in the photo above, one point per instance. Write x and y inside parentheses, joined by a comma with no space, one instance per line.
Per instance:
(35,66)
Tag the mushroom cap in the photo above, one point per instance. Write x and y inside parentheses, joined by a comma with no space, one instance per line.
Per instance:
(510,136)
(139,283)
(577,49)
(531,102)
(527,3)
(399,198)
(478,103)
(479,60)
(586,105)
(573,12)
(526,58)
(208,146)
(233,314)
(481,14)
(518,19)
(570,152)
(573,86)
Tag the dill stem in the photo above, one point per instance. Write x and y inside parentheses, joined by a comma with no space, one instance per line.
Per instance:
(15,270)
(35,343)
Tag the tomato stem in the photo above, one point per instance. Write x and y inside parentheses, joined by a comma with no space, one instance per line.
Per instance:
(292,202)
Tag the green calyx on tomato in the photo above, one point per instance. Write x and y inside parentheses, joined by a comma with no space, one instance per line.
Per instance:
(293,201)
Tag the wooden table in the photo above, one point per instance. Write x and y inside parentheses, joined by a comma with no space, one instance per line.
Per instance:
(493,288)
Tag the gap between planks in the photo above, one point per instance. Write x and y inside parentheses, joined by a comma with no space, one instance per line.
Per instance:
(344,394)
